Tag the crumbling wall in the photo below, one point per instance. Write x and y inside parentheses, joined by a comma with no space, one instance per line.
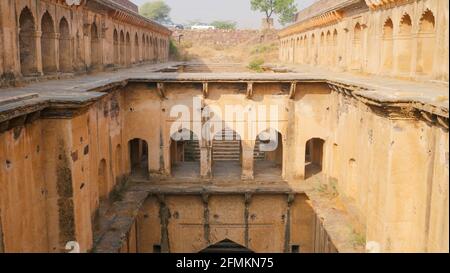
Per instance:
(23,189)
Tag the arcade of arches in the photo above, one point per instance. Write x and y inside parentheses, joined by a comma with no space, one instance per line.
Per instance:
(401,41)
(54,38)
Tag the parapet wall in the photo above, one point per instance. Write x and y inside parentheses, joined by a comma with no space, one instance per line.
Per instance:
(222,37)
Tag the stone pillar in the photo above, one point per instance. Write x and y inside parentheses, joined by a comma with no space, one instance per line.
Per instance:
(38,59)
(166,169)
(247,159)
(60,207)
(56,38)
(205,159)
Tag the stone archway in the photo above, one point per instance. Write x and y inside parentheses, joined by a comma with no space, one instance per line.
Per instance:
(27,43)
(102,180)
(314,157)
(138,151)
(95,46)
(268,156)
(227,154)
(128,49)
(426,43)
(65,56)
(388,45)
(357,50)
(184,154)
(122,48)
(48,39)
(116,47)
(136,49)
(404,43)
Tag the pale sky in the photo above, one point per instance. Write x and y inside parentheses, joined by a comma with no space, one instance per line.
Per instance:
(207,11)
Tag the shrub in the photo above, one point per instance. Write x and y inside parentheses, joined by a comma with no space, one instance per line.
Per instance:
(256,64)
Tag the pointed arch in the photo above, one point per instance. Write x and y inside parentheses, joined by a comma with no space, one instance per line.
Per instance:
(122,48)
(95,46)
(136,48)
(335,49)
(48,51)
(128,49)
(329,49)
(27,42)
(426,43)
(144,48)
(65,52)
(405,45)
(155,50)
(388,45)
(116,47)
(357,50)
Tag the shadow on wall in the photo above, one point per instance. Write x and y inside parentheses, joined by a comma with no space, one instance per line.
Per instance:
(138,149)
(313,157)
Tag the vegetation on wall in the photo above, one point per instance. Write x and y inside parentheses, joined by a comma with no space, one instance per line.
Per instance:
(174,53)
(224,24)
(285,9)
(256,65)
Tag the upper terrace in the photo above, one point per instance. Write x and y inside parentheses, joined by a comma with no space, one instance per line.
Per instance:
(72,93)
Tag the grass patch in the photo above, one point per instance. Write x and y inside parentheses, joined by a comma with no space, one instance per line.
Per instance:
(330,190)
(256,64)
(358,239)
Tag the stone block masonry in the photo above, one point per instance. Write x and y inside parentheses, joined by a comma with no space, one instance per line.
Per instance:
(224,38)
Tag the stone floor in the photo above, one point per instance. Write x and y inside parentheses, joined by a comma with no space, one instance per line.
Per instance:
(432,96)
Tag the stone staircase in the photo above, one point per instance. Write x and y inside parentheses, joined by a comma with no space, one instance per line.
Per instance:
(192,151)
(223,150)
(257,154)
(228,147)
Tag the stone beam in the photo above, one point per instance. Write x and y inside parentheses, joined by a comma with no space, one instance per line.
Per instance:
(249,94)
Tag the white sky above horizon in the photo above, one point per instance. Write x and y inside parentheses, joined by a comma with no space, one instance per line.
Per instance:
(207,11)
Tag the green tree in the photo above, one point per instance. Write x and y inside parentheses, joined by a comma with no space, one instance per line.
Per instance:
(224,24)
(285,9)
(156,10)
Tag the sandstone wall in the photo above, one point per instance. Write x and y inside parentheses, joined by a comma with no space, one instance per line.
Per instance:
(227,220)
(391,170)
(218,37)
(48,37)
(404,40)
